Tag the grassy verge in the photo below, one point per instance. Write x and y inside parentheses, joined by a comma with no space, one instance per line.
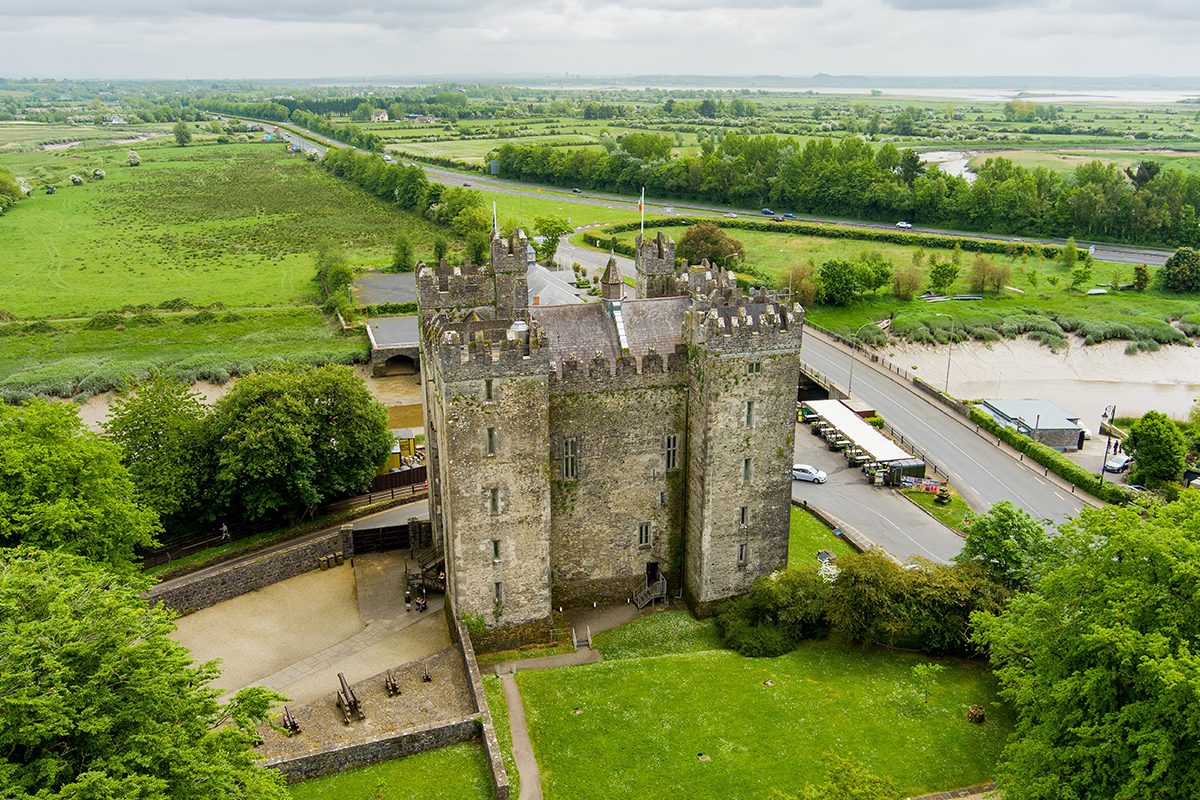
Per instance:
(495,698)
(953,515)
(807,535)
(670,632)
(458,772)
(518,655)
(634,726)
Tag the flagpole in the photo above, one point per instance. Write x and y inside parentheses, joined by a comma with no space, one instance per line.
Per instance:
(495,227)
(642,211)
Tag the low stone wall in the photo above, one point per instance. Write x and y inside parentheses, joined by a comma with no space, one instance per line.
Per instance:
(513,637)
(189,594)
(603,591)
(491,744)
(335,759)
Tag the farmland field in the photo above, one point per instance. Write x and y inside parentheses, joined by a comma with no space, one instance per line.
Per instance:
(234,224)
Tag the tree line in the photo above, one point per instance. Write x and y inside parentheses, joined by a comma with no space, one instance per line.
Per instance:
(850,178)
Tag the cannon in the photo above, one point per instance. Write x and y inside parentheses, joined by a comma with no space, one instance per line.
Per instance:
(390,684)
(348,702)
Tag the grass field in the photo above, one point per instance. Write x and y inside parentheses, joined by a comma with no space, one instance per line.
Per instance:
(224,223)
(499,710)
(458,772)
(68,358)
(807,535)
(636,725)
(952,515)
(1068,160)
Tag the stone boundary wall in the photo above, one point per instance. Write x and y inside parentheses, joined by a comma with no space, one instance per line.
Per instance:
(192,594)
(491,744)
(334,759)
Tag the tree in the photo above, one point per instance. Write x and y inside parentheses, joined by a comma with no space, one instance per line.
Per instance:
(1181,273)
(294,436)
(1081,276)
(63,487)
(551,229)
(478,246)
(159,425)
(402,254)
(847,779)
(183,134)
(942,275)
(1070,254)
(1141,277)
(801,281)
(99,702)
(706,240)
(911,166)
(874,272)
(440,248)
(132,158)
(926,674)
(1160,449)
(905,283)
(1009,543)
(839,282)
(1100,663)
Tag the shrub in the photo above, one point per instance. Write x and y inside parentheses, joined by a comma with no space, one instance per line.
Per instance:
(204,317)
(104,322)
(178,304)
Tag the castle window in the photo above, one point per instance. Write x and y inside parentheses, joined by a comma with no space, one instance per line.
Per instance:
(744,516)
(494,502)
(749,413)
(643,534)
(499,589)
(570,456)
(743,552)
(488,392)
(491,441)
(746,469)
(495,551)
(673,451)
(754,368)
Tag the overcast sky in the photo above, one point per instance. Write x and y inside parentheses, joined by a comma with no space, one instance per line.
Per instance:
(325,38)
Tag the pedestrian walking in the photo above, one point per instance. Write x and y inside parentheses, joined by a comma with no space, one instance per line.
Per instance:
(224,532)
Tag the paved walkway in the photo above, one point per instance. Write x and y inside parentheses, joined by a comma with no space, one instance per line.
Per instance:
(527,768)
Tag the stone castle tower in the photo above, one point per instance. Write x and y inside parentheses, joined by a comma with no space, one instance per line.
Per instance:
(578,453)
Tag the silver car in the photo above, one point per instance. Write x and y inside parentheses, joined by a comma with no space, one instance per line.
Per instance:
(807,472)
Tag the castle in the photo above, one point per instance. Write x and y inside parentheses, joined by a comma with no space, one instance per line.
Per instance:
(588,452)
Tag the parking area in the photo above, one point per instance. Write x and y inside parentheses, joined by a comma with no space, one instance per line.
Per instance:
(881,514)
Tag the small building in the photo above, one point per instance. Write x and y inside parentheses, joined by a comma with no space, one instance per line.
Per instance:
(379,116)
(1040,420)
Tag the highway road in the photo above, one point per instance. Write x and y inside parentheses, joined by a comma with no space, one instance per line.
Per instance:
(983,473)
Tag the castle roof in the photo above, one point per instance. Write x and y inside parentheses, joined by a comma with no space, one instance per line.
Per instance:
(550,288)
(586,330)
(655,323)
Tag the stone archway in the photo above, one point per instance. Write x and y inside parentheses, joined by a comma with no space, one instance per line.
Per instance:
(400,365)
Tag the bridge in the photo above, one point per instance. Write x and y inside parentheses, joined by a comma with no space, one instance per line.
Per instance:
(395,345)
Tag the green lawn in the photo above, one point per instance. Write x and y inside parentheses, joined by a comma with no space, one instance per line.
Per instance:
(636,726)
(458,772)
(673,632)
(807,535)
(951,515)
(495,699)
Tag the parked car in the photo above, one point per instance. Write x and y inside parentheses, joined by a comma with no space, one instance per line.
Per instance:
(777,218)
(1118,463)
(807,472)
(903,224)
(466,183)
(767,212)
(731,215)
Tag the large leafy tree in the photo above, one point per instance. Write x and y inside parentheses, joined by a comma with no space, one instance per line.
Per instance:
(1102,661)
(706,240)
(63,487)
(551,229)
(294,436)
(1181,273)
(1160,448)
(1010,544)
(98,702)
(839,281)
(159,425)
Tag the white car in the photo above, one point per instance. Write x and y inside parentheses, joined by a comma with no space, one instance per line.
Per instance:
(1118,463)
(807,472)
(903,224)
(731,215)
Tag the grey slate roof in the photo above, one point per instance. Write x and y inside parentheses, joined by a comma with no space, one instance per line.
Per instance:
(580,329)
(551,288)
(656,323)
(1043,413)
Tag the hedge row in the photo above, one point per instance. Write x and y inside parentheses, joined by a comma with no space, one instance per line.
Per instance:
(438,161)
(392,309)
(928,240)
(1055,461)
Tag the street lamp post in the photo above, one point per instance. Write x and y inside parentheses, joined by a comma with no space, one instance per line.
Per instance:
(725,260)
(1110,413)
(950,350)
(850,383)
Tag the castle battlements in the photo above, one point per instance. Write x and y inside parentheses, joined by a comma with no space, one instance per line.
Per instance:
(654,264)
(600,374)
(747,326)
(475,349)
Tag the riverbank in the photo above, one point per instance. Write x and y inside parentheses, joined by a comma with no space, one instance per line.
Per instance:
(1082,379)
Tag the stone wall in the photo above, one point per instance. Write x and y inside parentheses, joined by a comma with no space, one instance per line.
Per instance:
(491,744)
(193,593)
(334,759)
(612,591)
(513,637)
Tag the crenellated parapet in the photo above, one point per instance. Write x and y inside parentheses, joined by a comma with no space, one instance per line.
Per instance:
(477,349)
(654,263)
(745,327)
(450,288)
(600,374)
